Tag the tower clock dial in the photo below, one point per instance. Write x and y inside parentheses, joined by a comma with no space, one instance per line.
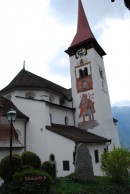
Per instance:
(81,52)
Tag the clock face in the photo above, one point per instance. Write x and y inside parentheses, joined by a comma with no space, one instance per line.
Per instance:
(81,52)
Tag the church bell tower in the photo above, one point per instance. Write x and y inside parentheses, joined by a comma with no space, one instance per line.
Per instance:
(88,80)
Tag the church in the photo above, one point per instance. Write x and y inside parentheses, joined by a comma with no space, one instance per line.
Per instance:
(53,121)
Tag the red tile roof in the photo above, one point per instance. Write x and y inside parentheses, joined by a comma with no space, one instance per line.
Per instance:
(7,105)
(5,134)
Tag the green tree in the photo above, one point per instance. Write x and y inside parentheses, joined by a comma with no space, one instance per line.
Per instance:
(47,166)
(115,163)
(31,159)
(4,166)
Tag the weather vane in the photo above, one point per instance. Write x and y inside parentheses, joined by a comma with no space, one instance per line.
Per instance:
(126,2)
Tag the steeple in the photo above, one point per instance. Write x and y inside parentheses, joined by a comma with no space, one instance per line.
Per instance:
(83,29)
(84,36)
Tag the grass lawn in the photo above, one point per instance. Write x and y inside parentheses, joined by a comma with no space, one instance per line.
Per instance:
(69,185)
(101,185)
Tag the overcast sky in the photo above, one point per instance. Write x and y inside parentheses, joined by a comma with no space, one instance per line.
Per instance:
(39,31)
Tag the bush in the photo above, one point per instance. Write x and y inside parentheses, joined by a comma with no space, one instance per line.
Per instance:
(101,185)
(30,187)
(47,166)
(26,167)
(115,163)
(4,166)
(31,159)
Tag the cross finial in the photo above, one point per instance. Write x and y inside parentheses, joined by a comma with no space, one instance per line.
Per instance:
(24,64)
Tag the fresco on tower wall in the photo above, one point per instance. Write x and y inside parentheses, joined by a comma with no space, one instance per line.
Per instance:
(87,111)
(86,107)
(84,85)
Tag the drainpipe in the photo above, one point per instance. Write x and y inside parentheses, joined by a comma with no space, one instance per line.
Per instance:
(73,113)
(25,135)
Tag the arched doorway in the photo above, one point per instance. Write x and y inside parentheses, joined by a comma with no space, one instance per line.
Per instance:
(52,160)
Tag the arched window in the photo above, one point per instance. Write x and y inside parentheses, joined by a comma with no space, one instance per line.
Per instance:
(53,162)
(50,118)
(102,84)
(30,95)
(66,120)
(52,158)
(81,73)
(101,73)
(85,71)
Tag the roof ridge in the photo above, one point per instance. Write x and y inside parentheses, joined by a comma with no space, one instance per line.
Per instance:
(28,79)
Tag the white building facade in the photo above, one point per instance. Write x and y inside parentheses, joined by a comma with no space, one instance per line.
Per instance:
(56,119)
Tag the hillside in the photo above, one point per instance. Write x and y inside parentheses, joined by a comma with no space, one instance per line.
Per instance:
(122,114)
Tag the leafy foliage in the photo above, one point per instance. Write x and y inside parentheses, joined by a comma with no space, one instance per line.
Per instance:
(115,163)
(31,159)
(68,185)
(101,185)
(4,166)
(21,186)
(47,167)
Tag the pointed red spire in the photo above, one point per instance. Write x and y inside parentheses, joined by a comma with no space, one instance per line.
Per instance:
(83,29)
(84,36)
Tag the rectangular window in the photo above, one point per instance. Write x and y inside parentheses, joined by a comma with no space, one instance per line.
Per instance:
(96,156)
(66,165)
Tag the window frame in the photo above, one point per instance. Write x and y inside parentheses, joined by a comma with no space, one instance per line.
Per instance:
(66,165)
(96,154)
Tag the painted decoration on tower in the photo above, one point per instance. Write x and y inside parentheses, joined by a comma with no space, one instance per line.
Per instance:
(87,111)
(80,53)
(83,75)
(84,85)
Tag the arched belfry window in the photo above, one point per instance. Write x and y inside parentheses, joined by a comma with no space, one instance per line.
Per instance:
(85,71)
(81,73)
(66,120)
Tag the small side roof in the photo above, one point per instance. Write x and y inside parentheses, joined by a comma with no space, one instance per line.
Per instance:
(5,135)
(76,134)
(7,105)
